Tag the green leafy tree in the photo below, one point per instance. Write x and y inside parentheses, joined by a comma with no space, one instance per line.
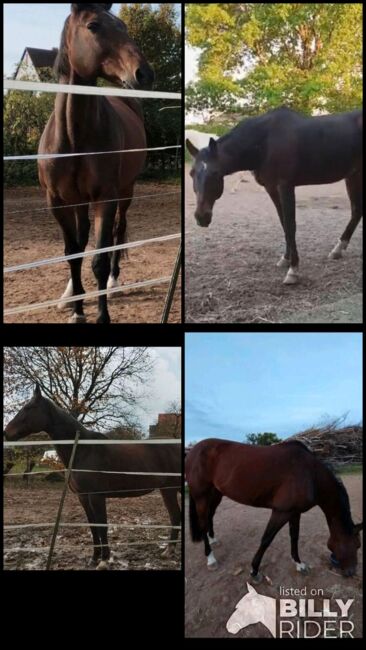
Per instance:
(307,56)
(262,438)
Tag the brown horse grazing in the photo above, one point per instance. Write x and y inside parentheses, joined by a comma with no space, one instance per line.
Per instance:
(285,477)
(41,414)
(94,43)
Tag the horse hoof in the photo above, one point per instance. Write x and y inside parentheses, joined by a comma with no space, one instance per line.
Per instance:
(77,318)
(168,552)
(63,306)
(214,541)
(283,263)
(335,255)
(213,566)
(257,578)
(302,568)
(102,566)
(113,282)
(291,278)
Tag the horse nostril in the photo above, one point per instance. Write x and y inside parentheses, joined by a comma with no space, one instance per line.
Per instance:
(145,76)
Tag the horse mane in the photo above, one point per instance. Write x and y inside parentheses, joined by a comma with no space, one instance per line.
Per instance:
(298,443)
(345,513)
(61,66)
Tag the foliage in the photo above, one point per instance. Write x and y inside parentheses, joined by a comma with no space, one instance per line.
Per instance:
(101,387)
(308,56)
(262,438)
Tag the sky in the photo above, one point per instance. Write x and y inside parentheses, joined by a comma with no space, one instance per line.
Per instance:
(165,384)
(236,384)
(36,25)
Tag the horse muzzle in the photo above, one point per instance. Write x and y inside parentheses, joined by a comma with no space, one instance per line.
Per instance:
(144,77)
(204,219)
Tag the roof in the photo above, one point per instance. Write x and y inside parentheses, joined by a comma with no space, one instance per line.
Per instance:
(40,58)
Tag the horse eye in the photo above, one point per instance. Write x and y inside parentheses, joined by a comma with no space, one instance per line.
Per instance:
(93,27)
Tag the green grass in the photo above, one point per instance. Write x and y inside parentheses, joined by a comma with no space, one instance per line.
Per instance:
(352,468)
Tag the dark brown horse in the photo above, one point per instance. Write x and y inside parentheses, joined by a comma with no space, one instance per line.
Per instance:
(94,43)
(284,149)
(287,478)
(41,414)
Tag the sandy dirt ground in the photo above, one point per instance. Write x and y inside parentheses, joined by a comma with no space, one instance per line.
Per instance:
(31,236)
(39,503)
(231,274)
(211,596)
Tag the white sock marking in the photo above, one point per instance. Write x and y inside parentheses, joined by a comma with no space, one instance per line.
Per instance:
(211,559)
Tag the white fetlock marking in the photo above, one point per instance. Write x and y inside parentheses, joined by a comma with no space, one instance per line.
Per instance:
(292,276)
(67,293)
(283,263)
(300,566)
(112,282)
(102,566)
(336,252)
(212,540)
(77,318)
(168,551)
(211,559)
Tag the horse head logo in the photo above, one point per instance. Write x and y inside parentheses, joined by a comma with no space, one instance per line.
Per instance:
(253,608)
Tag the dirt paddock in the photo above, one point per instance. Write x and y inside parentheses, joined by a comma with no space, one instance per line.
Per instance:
(231,274)
(30,236)
(211,596)
(38,504)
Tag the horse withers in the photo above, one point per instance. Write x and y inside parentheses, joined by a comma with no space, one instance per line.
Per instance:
(97,471)
(286,478)
(94,43)
(284,149)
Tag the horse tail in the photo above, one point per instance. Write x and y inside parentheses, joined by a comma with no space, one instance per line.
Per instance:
(196,532)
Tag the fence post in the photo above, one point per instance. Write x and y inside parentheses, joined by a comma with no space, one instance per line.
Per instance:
(172,286)
(61,505)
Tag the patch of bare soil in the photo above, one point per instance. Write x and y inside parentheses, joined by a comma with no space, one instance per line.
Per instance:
(230,271)
(30,236)
(129,546)
(211,596)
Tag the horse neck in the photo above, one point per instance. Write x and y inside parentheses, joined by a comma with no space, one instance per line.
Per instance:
(76,115)
(63,426)
(240,150)
(329,499)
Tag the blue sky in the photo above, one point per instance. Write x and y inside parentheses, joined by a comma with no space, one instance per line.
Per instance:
(237,384)
(36,25)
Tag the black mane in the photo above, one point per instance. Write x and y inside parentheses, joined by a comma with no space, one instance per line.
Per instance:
(61,66)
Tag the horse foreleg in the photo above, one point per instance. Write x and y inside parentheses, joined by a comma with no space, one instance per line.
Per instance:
(277,520)
(294,526)
(284,261)
(216,499)
(104,223)
(119,238)
(288,208)
(170,498)
(202,507)
(84,500)
(99,516)
(66,218)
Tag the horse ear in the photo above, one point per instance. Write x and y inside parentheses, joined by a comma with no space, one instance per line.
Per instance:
(357,528)
(191,148)
(37,390)
(213,147)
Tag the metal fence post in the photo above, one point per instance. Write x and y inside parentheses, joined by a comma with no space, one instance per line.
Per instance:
(172,286)
(61,505)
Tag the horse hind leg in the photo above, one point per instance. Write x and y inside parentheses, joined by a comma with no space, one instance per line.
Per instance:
(216,499)
(84,500)
(170,498)
(294,526)
(354,191)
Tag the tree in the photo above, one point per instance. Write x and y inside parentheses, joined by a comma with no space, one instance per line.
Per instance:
(307,55)
(100,386)
(262,438)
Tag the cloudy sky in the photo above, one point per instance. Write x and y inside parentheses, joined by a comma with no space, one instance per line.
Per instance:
(165,384)
(277,382)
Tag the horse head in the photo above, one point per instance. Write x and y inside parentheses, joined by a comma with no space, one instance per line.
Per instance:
(344,548)
(32,418)
(96,43)
(208,180)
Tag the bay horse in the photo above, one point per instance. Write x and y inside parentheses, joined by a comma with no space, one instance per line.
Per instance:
(285,477)
(284,149)
(94,43)
(93,488)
